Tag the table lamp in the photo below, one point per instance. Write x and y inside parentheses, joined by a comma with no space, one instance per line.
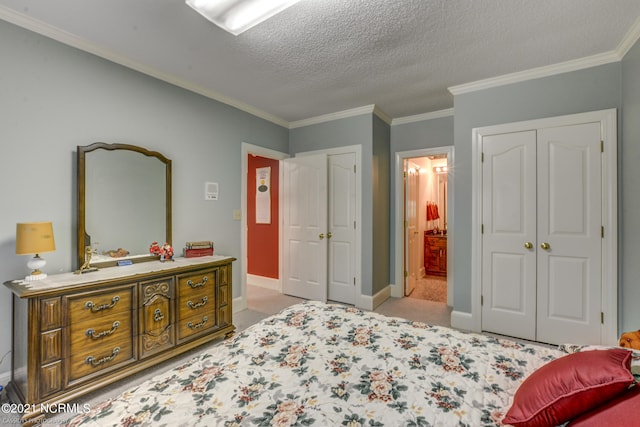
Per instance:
(34,238)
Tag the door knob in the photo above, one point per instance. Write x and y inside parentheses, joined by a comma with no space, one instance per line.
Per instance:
(545,246)
(321,236)
(329,235)
(528,245)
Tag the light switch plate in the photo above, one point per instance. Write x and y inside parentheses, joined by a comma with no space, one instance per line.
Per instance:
(237,215)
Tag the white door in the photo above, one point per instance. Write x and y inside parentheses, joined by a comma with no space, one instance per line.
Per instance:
(542,247)
(342,232)
(412,237)
(509,234)
(305,227)
(569,229)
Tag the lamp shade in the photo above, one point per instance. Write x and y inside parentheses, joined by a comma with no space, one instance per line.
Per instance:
(34,238)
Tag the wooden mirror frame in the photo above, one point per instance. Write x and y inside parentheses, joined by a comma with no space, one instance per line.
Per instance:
(82,236)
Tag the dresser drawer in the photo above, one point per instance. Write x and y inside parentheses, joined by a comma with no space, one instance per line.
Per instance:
(93,305)
(197,302)
(102,357)
(100,333)
(196,324)
(204,281)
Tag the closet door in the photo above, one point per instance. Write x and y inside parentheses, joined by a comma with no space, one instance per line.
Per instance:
(509,236)
(305,225)
(569,234)
(542,241)
(342,233)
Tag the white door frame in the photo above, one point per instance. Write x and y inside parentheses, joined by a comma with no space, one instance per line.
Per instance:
(607,119)
(362,301)
(397,290)
(240,303)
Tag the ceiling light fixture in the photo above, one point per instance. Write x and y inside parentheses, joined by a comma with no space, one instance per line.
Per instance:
(237,16)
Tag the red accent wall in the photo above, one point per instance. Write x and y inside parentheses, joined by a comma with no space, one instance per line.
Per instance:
(262,239)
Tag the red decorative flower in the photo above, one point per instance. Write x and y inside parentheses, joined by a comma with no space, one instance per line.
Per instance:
(165,250)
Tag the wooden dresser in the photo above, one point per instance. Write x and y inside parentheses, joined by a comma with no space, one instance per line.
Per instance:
(435,254)
(73,334)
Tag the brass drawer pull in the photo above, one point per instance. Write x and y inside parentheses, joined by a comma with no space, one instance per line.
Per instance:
(92,332)
(157,315)
(190,304)
(197,285)
(205,319)
(96,308)
(90,360)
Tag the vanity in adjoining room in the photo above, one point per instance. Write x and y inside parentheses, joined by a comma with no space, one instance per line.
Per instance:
(435,253)
(124,309)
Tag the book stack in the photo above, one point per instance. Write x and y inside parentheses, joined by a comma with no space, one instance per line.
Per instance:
(196,249)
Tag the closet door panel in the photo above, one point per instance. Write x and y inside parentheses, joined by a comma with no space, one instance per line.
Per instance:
(509,223)
(569,233)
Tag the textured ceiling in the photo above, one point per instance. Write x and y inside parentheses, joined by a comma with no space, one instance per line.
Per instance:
(324,56)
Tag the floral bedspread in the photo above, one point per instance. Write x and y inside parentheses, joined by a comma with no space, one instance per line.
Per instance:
(331,365)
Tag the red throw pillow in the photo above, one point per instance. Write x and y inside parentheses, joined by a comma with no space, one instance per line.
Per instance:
(569,386)
(620,412)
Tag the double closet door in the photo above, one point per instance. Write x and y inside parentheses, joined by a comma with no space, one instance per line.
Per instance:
(542,233)
(320,227)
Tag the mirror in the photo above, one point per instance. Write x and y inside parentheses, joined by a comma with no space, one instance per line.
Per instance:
(124,202)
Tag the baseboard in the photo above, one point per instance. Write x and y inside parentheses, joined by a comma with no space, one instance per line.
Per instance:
(396,291)
(239,304)
(462,320)
(381,296)
(264,282)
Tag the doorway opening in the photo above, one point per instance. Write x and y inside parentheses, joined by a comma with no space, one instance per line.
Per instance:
(425,183)
(256,232)
(423,234)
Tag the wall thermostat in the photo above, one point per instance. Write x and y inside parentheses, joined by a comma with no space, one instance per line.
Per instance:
(211,191)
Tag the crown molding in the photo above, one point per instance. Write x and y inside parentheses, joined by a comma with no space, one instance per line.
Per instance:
(629,39)
(382,115)
(422,117)
(367,109)
(72,40)
(536,73)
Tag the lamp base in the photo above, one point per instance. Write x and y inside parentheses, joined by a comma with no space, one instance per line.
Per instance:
(35,264)
(33,277)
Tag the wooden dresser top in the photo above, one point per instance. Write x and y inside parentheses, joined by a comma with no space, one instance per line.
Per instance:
(56,283)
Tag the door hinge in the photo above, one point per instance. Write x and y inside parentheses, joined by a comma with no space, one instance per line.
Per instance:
(602,231)
(354,225)
(482,229)
(602,317)
(354,281)
(404,174)
(481,299)
(602,146)
(482,157)
(354,168)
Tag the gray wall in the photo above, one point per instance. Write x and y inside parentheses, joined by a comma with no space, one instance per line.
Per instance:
(356,130)
(591,89)
(629,223)
(381,205)
(54,98)
(432,133)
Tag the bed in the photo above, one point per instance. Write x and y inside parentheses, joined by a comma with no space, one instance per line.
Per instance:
(331,365)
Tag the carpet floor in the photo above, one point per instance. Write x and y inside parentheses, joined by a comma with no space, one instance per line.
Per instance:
(431,288)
